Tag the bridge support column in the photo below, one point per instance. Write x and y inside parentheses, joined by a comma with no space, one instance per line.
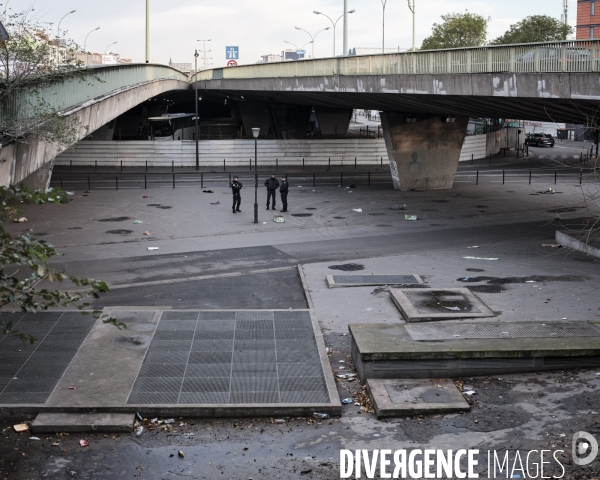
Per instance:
(40,179)
(423,150)
(255,115)
(333,121)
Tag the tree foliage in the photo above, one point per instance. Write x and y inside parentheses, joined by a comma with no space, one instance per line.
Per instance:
(457,30)
(536,28)
(24,266)
(30,60)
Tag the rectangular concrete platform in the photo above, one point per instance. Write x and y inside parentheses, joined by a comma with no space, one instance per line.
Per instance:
(429,304)
(471,349)
(339,281)
(83,422)
(407,397)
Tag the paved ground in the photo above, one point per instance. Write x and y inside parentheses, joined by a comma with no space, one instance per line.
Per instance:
(201,245)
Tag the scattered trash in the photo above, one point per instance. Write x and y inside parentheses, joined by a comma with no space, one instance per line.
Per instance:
(70,193)
(529,281)
(341,361)
(148,232)
(279,420)
(480,258)
(357,210)
(347,401)
(552,245)
(305,472)
(341,368)
(137,222)
(145,196)
(215,203)
(180,454)
(152,248)
(83,443)
(55,444)
(169,420)
(476,246)
(466,279)
(467,387)
(33,438)
(410,217)
(72,388)
(320,415)
(353,186)
(341,376)
(138,416)
(207,191)
(139,431)
(454,309)
(21,427)
(278,219)
(20,220)
(369,309)
(550,190)
(397,207)
(264,223)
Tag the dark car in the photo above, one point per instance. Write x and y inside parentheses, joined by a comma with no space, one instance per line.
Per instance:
(539,140)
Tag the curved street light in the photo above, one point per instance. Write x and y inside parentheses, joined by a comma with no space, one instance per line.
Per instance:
(86,37)
(383,3)
(312,37)
(412,8)
(109,47)
(316,12)
(204,51)
(5,7)
(58,28)
(296,46)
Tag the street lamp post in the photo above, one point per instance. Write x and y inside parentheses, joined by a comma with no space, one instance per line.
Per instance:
(196,103)
(59,22)
(412,8)
(147,31)
(85,43)
(204,50)
(333,23)
(383,3)
(5,7)
(255,134)
(345,28)
(312,37)
(109,47)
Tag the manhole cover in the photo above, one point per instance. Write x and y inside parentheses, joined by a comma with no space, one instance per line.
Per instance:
(119,232)
(114,219)
(302,214)
(348,267)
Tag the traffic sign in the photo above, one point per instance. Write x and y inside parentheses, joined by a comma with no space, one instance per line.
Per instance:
(232,63)
(232,53)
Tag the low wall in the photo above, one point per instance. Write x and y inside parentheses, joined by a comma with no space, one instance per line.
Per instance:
(481,146)
(235,152)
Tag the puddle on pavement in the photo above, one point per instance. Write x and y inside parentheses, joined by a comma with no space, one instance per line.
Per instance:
(114,219)
(565,209)
(384,225)
(530,279)
(75,228)
(302,214)
(440,201)
(154,205)
(40,234)
(347,267)
(310,208)
(340,218)
(481,206)
(164,207)
(377,214)
(487,289)
(119,232)
(136,342)
(475,270)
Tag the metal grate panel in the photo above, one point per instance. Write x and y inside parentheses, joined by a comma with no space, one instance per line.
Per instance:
(235,357)
(502,330)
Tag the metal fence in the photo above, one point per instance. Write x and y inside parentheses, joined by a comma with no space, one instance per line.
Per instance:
(567,56)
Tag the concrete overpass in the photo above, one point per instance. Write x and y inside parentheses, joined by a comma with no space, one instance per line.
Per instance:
(102,94)
(426,96)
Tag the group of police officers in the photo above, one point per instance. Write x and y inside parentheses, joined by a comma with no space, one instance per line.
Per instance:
(272,185)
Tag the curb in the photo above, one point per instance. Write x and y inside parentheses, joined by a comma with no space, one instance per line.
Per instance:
(568,239)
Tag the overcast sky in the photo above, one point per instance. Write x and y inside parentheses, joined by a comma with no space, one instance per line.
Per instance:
(259,27)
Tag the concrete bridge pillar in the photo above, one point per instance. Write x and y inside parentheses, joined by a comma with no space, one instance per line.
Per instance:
(423,150)
(333,121)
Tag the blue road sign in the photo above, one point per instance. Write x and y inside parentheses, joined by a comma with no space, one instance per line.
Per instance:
(232,53)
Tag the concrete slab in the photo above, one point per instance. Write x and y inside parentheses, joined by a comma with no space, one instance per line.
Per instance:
(337,281)
(408,397)
(427,304)
(399,351)
(83,422)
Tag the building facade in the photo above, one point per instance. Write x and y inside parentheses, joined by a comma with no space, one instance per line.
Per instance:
(588,19)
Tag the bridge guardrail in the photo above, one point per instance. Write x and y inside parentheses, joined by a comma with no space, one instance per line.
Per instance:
(74,90)
(566,56)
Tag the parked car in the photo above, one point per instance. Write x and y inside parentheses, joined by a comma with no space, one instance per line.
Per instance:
(539,140)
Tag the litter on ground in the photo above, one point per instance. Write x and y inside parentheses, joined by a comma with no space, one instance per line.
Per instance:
(152,248)
(481,258)
(410,217)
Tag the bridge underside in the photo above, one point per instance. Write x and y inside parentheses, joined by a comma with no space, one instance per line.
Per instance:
(425,116)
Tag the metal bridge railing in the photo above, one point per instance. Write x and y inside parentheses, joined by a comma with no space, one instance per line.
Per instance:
(94,83)
(566,56)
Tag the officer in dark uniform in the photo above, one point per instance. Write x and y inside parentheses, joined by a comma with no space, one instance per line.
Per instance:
(272,185)
(283,190)
(236,186)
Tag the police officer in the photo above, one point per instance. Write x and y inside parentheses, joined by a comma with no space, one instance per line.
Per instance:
(236,186)
(272,185)
(283,190)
